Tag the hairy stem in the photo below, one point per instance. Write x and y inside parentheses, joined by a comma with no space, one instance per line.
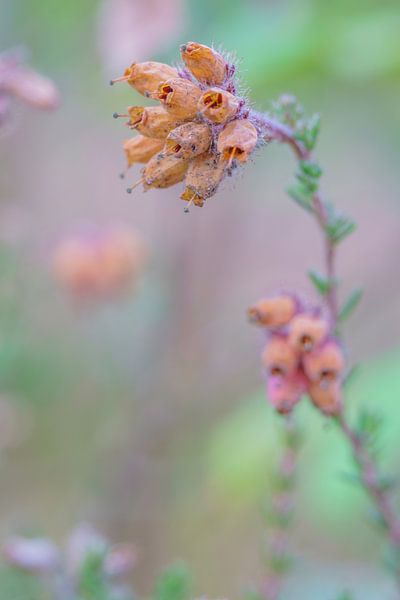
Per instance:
(369,475)
(280,513)
(370,479)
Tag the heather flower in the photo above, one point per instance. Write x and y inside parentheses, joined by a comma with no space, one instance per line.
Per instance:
(326,396)
(140,149)
(237,140)
(204,174)
(306,332)
(29,86)
(273,312)
(145,77)
(279,357)
(284,392)
(218,105)
(35,555)
(151,121)
(204,63)
(179,97)
(188,140)
(210,127)
(99,263)
(325,364)
(163,170)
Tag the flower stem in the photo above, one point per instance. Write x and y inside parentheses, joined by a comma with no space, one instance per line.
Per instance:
(369,476)
(280,513)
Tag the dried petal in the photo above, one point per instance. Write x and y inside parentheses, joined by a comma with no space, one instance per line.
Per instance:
(152,121)
(140,149)
(188,140)
(204,63)
(237,140)
(327,397)
(306,332)
(324,364)
(273,312)
(218,105)
(279,357)
(145,77)
(204,175)
(179,97)
(164,170)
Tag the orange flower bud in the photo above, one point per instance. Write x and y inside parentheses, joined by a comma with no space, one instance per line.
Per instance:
(188,140)
(164,170)
(152,121)
(179,97)
(326,397)
(324,364)
(237,140)
(145,77)
(279,357)
(306,332)
(273,312)
(204,174)
(140,149)
(218,105)
(204,63)
(285,392)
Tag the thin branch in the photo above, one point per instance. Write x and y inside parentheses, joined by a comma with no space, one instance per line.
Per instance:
(368,471)
(278,560)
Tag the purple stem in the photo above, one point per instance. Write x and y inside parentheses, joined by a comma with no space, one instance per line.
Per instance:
(274,130)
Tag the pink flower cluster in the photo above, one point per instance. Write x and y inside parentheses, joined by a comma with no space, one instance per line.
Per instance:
(301,355)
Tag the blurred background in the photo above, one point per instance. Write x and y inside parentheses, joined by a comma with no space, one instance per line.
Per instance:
(146,414)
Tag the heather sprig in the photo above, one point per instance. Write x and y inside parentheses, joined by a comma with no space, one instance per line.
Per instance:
(287,124)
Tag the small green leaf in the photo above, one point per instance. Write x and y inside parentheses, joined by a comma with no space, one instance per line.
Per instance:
(321,283)
(310,168)
(301,196)
(308,183)
(338,227)
(350,304)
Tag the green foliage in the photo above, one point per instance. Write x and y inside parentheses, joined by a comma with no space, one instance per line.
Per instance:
(307,132)
(338,226)
(173,583)
(310,168)
(17,585)
(368,428)
(92,584)
(320,283)
(350,304)
(301,196)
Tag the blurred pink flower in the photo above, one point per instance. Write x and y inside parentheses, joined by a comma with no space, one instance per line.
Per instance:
(36,555)
(120,560)
(130,30)
(98,263)
(18,81)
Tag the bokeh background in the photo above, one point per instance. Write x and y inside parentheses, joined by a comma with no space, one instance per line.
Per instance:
(146,415)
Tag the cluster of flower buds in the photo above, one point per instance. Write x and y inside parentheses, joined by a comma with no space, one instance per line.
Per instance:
(18,81)
(99,263)
(200,131)
(301,355)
